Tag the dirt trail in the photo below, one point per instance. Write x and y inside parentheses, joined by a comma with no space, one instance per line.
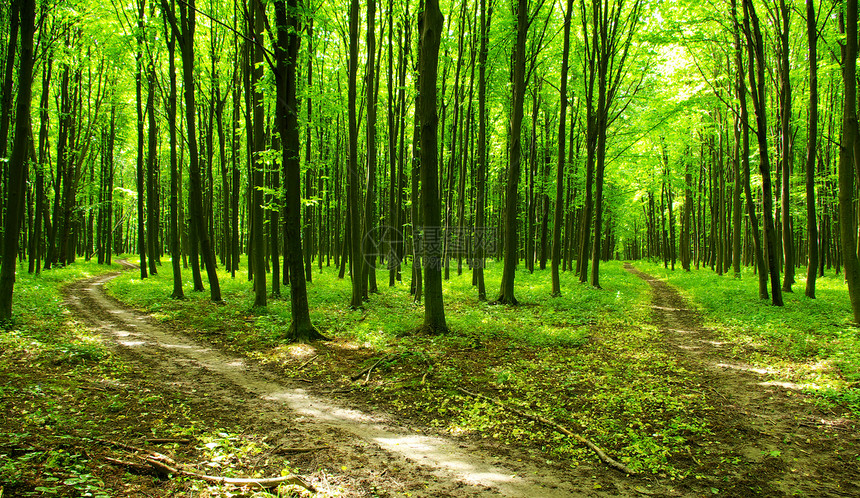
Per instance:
(784,443)
(376,454)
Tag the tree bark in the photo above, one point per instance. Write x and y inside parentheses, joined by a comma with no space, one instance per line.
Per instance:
(18,160)
(287,53)
(812,141)
(756,72)
(518,69)
(559,176)
(431,37)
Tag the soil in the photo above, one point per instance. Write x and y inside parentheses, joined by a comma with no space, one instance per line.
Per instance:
(789,444)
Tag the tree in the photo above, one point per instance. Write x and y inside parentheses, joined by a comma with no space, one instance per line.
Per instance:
(848,152)
(286,53)
(755,48)
(811,152)
(184,28)
(175,251)
(559,178)
(18,161)
(518,89)
(353,201)
(430,27)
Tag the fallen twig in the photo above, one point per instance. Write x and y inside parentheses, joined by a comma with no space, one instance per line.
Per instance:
(168,440)
(367,371)
(151,454)
(303,365)
(165,466)
(280,451)
(537,418)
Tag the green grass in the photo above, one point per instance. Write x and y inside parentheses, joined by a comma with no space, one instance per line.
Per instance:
(541,320)
(809,341)
(586,359)
(60,388)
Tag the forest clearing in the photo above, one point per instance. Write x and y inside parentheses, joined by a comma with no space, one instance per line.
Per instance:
(429,248)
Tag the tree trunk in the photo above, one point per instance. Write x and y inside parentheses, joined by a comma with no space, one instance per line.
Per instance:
(847,157)
(370,239)
(175,250)
(430,26)
(559,176)
(812,138)
(356,256)
(518,69)
(287,53)
(757,85)
(18,160)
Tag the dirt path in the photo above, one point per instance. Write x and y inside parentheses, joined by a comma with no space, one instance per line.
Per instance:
(780,442)
(370,452)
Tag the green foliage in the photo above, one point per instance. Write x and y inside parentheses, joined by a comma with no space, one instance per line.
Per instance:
(807,341)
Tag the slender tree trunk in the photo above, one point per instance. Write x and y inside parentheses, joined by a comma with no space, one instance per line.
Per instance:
(259,242)
(18,160)
(287,53)
(175,250)
(370,239)
(559,177)
(847,158)
(518,69)
(785,145)
(141,191)
(755,46)
(430,26)
(812,134)
(184,31)
(481,236)
(356,235)
(151,175)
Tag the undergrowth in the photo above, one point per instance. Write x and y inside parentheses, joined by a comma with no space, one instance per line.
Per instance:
(586,359)
(61,391)
(807,341)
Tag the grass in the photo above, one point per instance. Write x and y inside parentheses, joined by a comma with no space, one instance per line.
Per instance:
(806,341)
(60,388)
(586,359)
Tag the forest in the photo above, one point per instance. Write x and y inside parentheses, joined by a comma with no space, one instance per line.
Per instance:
(600,247)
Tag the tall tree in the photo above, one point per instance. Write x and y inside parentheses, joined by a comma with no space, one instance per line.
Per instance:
(756,73)
(518,89)
(848,153)
(369,239)
(258,164)
(353,201)
(286,107)
(18,160)
(141,185)
(175,251)
(559,177)
(811,150)
(428,63)
(785,143)
(184,28)
(481,238)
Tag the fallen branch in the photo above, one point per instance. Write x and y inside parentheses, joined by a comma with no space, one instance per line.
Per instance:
(164,466)
(303,365)
(281,451)
(138,468)
(151,454)
(367,371)
(265,483)
(537,418)
(167,440)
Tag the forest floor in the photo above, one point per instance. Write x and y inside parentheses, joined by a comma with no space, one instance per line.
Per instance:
(225,413)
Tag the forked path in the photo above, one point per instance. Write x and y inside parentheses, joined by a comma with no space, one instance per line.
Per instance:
(367,450)
(772,439)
